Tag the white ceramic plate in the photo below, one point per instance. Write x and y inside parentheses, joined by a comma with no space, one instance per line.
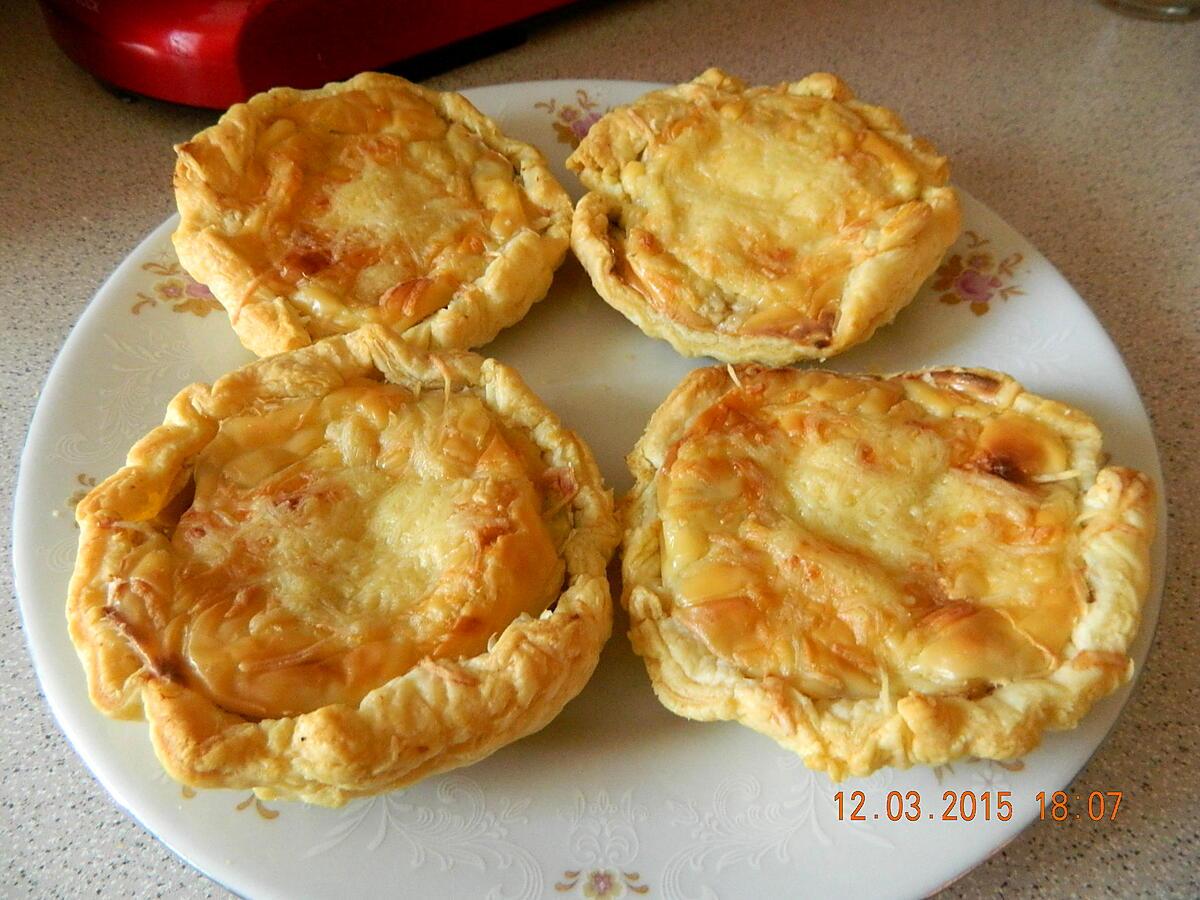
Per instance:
(617,797)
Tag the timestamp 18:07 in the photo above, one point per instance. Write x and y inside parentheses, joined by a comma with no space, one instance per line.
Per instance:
(968,806)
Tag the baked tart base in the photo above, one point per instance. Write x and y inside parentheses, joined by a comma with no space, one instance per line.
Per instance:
(372,201)
(882,571)
(759,224)
(341,569)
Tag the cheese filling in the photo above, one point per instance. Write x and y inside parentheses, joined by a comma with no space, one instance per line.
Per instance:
(850,537)
(749,220)
(368,206)
(333,543)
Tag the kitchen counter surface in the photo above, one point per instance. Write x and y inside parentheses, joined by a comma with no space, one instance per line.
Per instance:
(1079,126)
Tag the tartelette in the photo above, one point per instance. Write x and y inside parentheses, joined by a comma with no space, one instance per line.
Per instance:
(310,213)
(759,224)
(882,571)
(341,569)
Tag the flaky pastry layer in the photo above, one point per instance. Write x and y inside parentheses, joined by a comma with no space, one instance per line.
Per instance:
(882,571)
(764,224)
(341,569)
(310,213)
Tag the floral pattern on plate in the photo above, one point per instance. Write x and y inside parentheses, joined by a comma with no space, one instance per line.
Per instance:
(976,277)
(603,838)
(175,288)
(462,829)
(572,121)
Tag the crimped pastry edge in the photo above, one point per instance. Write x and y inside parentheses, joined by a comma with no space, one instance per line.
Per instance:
(441,714)
(876,290)
(267,323)
(1118,523)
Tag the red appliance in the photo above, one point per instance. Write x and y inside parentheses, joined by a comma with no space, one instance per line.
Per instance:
(218,52)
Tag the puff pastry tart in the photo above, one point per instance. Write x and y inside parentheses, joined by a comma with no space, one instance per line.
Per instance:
(310,213)
(882,571)
(765,224)
(341,569)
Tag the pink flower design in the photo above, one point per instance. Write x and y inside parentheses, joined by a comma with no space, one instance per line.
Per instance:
(197,290)
(978,281)
(572,120)
(582,126)
(976,287)
(176,289)
(602,885)
(170,289)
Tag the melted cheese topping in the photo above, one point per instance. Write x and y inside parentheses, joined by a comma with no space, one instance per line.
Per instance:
(746,212)
(369,206)
(333,543)
(858,537)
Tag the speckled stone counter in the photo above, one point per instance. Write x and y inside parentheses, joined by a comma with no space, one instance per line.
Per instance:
(1080,127)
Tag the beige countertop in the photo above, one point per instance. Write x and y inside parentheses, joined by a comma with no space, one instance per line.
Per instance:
(1078,126)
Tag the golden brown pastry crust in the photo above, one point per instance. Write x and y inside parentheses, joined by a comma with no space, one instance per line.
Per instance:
(722,660)
(443,712)
(310,213)
(765,224)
